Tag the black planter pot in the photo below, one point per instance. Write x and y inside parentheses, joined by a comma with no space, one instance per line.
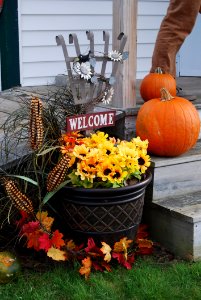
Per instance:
(104,214)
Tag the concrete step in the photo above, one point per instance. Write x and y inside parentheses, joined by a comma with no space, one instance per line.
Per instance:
(176,176)
(175,222)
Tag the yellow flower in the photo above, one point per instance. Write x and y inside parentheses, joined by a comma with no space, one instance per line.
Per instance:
(143,161)
(86,169)
(99,160)
(99,137)
(107,148)
(110,171)
(141,145)
(81,151)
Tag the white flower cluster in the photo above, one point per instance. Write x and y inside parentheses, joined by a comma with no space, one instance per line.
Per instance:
(83,69)
(108,94)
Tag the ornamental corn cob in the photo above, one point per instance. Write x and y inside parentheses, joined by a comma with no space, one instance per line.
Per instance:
(21,201)
(58,173)
(36,124)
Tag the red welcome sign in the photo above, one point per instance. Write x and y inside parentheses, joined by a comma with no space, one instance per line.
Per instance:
(90,121)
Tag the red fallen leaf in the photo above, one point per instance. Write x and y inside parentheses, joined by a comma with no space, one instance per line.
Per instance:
(57,240)
(122,261)
(30,227)
(142,232)
(79,247)
(92,248)
(97,266)
(106,266)
(86,268)
(44,242)
(23,219)
(145,247)
(145,251)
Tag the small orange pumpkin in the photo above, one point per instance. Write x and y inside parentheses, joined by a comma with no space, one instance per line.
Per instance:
(153,82)
(171,124)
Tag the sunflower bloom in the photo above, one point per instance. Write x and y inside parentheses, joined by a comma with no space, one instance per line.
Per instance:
(101,161)
(143,161)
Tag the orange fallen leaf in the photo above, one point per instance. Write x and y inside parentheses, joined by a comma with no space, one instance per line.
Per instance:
(33,240)
(122,245)
(86,268)
(70,245)
(145,246)
(57,240)
(144,243)
(45,220)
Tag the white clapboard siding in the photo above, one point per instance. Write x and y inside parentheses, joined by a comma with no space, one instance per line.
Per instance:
(150,15)
(41,20)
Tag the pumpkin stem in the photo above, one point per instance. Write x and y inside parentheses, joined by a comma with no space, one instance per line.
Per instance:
(158,70)
(165,95)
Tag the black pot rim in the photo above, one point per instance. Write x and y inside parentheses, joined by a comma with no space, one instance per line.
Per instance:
(137,186)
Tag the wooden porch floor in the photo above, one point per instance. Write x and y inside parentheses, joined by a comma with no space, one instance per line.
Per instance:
(10,99)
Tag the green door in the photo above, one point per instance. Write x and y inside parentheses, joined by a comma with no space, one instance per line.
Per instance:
(9,45)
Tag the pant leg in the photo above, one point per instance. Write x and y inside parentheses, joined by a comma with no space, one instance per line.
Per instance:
(175,27)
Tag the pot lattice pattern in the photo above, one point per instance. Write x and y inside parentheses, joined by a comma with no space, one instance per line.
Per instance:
(103,218)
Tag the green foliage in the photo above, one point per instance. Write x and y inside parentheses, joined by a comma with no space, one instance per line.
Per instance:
(49,195)
(148,280)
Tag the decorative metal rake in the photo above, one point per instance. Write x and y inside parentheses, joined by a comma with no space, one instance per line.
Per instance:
(91,91)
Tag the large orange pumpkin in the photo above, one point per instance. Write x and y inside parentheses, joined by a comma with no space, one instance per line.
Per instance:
(171,125)
(153,82)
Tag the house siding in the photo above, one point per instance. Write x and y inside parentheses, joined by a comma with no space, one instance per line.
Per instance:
(150,15)
(41,20)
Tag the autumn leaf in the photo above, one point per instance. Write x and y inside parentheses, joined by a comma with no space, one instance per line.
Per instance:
(23,219)
(127,263)
(106,249)
(142,232)
(122,246)
(145,246)
(56,254)
(70,245)
(57,240)
(33,240)
(106,266)
(45,220)
(44,242)
(30,227)
(92,249)
(72,250)
(96,266)
(32,231)
(86,268)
